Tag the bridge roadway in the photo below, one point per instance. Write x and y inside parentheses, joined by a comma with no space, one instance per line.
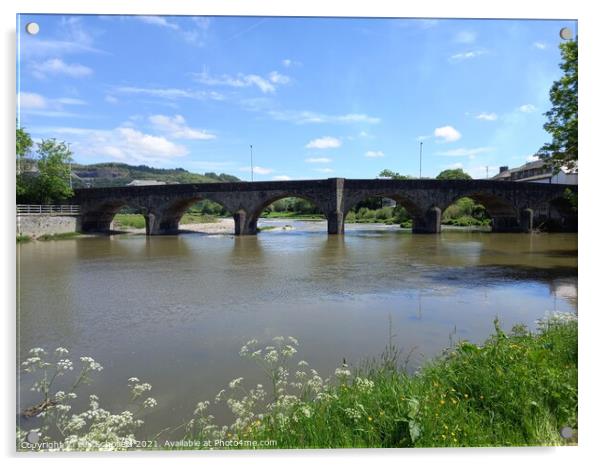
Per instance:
(513,206)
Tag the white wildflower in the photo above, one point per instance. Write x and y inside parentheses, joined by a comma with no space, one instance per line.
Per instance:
(364,385)
(235,383)
(150,403)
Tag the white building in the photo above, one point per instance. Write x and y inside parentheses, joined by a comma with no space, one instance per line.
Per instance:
(537,172)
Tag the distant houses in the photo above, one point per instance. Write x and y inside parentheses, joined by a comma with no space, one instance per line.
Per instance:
(537,172)
(148,183)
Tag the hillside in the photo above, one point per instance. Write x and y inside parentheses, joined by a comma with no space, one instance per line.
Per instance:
(120,174)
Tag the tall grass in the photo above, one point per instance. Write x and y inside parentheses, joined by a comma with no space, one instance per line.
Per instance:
(516,389)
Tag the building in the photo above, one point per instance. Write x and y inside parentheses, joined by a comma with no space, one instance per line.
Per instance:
(537,172)
(145,183)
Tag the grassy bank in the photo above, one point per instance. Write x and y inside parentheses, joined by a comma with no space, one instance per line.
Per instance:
(48,237)
(137,220)
(515,389)
(292,215)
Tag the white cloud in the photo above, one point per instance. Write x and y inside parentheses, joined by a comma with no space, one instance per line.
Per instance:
(464,152)
(125,144)
(327,142)
(157,21)
(318,160)
(36,104)
(265,85)
(176,127)
(278,78)
(287,63)
(447,134)
(281,178)
(455,166)
(527,108)
(69,101)
(111,99)
(374,153)
(540,45)
(532,158)
(306,117)
(257,169)
(56,66)
(194,31)
(30,100)
(324,170)
(465,37)
(487,116)
(169,93)
(136,142)
(466,55)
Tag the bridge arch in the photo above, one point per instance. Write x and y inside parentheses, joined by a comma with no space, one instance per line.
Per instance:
(495,204)
(256,210)
(99,217)
(420,213)
(171,213)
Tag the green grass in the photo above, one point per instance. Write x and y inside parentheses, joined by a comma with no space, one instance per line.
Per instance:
(137,220)
(23,238)
(198,218)
(293,215)
(466,221)
(58,236)
(129,220)
(267,228)
(514,390)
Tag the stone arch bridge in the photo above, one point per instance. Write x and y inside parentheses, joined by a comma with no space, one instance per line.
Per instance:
(513,206)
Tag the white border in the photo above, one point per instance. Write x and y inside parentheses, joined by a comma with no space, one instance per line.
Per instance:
(589,165)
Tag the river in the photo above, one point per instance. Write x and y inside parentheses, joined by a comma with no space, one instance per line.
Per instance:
(175,310)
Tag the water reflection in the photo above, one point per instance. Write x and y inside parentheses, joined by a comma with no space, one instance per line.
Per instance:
(175,310)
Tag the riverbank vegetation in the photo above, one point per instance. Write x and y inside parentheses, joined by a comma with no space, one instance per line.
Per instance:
(127,220)
(517,388)
(48,237)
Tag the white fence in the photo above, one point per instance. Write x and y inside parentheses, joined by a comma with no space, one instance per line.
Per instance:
(48,209)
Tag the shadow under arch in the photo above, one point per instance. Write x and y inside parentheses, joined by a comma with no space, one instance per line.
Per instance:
(171,215)
(100,219)
(413,209)
(260,208)
(495,205)
(505,217)
(557,215)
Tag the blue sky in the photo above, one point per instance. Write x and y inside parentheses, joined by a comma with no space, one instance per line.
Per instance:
(316,97)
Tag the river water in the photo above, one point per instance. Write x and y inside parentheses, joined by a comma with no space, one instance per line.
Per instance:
(175,310)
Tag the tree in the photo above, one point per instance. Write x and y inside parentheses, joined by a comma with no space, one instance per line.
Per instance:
(393,175)
(454,174)
(52,183)
(562,117)
(24,145)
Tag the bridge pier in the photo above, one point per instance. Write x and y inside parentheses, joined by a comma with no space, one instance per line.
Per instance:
(429,222)
(157,224)
(511,224)
(336,223)
(526,220)
(243,225)
(94,223)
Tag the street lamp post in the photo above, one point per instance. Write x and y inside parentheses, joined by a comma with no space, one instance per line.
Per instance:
(251,146)
(420,173)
